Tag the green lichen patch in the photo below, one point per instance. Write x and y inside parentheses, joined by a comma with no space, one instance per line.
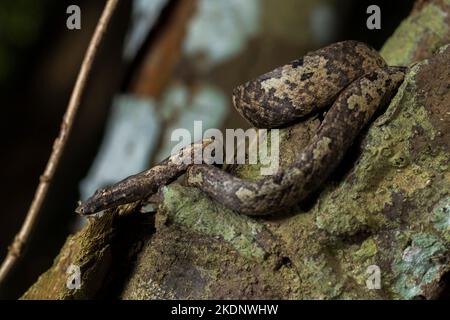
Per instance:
(99,252)
(391,188)
(365,219)
(421,266)
(420,33)
(196,266)
(305,247)
(441,218)
(90,251)
(386,210)
(367,249)
(394,173)
(377,214)
(189,207)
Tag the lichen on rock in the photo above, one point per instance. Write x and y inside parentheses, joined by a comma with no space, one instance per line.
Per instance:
(387,206)
(388,209)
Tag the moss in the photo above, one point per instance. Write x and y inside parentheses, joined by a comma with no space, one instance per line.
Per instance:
(187,206)
(387,206)
(429,25)
(399,174)
(197,266)
(357,221)
(390,166)
(90,251)
(368,249)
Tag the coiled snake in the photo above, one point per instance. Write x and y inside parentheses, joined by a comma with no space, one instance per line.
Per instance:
(350,76)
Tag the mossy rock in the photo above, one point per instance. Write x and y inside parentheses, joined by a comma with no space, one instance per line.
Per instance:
(386,208)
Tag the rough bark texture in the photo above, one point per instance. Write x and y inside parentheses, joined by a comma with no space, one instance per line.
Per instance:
(388,205)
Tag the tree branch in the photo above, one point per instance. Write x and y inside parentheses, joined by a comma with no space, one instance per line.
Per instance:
(21,239)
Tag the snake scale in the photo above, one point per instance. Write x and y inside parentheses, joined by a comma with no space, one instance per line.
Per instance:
(349,76)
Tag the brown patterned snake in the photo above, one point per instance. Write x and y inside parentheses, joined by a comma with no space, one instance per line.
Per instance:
(349,76)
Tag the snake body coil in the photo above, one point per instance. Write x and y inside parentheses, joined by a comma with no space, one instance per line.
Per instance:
(349,76)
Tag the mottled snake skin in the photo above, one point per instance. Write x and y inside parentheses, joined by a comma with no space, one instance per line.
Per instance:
(350,76)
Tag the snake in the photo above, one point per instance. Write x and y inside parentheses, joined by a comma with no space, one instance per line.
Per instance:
(348,77)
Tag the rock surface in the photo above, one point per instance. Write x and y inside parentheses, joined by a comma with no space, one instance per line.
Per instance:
(386,210)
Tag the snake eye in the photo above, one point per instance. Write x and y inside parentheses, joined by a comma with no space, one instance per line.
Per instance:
(80,210)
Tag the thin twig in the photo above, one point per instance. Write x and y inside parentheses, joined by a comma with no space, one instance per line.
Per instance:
(21,239)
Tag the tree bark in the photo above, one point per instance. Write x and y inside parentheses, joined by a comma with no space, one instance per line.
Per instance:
(386,209)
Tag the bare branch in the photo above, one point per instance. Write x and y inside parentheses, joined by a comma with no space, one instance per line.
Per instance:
(21,239)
